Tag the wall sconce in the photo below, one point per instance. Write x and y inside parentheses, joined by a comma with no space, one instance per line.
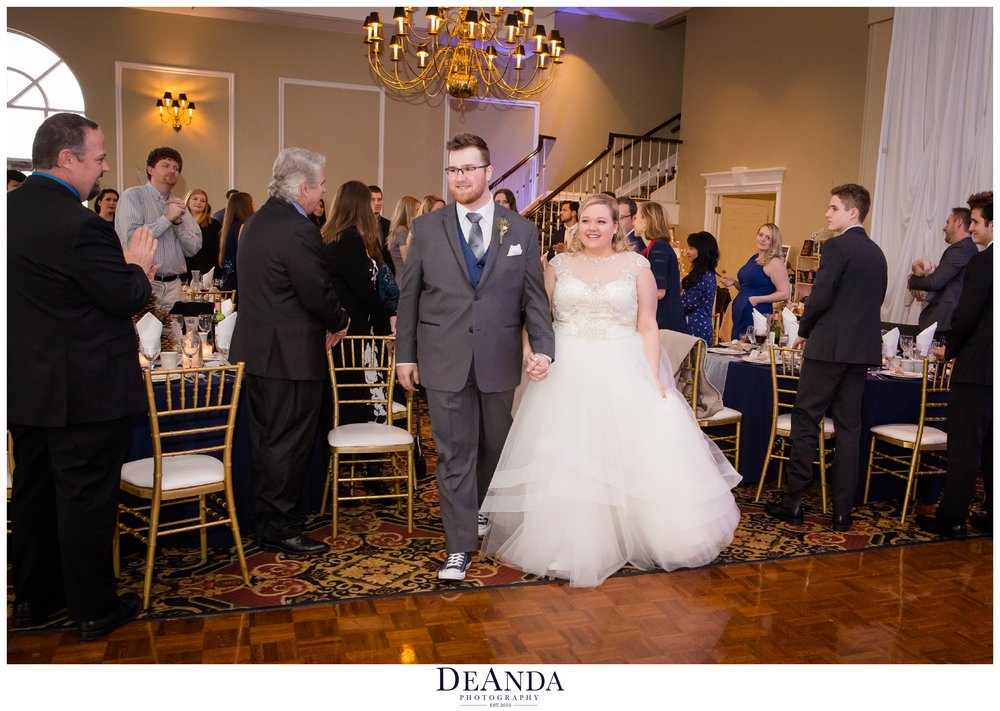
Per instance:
(175,112)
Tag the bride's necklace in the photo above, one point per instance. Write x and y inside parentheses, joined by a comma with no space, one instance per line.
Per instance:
(597,260)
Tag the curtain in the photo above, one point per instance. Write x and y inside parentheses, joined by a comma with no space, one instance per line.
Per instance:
(936,145)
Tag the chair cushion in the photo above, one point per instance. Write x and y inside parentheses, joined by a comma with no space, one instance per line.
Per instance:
(726,413)
(178,472)
(368,434)
(908,433)
(785,424)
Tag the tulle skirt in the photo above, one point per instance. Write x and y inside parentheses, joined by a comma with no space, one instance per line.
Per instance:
(598,471)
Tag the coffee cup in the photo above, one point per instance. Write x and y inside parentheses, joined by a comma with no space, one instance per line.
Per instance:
(912,365)
(170,359)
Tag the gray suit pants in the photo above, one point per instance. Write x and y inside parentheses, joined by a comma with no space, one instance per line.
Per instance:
(470,428)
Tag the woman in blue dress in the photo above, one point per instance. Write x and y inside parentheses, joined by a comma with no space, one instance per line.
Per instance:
(762,281)
(699,286)
(652,225)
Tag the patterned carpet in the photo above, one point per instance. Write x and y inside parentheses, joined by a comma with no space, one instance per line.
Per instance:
(374,556)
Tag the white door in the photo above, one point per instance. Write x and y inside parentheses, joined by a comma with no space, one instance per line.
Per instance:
(740,218)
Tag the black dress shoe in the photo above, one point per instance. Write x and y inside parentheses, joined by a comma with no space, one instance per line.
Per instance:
(793,515)
(982,521)
(842,522)
(127,609)
(29,613)
(296,545)
(933,525)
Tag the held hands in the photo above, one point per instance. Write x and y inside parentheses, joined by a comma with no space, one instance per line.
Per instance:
(175,208)
(536,364)
(140,250)
(922,267)
(408,376)
(728,281)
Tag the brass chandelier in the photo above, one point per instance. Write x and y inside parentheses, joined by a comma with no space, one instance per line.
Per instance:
(466,52)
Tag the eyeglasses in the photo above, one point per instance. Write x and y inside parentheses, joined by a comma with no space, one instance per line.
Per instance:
(453,172)
(623,216)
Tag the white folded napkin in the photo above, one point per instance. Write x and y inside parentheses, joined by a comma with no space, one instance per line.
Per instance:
(759,322)
(149,329)
(224,331)
(790,324)
(890,343)
(226,307)
(207,278)
(925,338)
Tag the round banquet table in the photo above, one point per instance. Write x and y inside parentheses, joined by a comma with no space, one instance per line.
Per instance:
(748,389)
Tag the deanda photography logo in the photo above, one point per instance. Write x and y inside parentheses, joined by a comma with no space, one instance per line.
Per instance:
(497,688)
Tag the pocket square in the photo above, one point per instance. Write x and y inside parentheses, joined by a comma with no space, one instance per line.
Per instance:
(515,249)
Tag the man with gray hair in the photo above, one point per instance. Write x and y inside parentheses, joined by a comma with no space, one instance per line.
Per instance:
(287,306)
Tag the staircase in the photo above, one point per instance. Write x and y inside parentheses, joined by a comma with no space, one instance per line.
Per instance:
(641,167)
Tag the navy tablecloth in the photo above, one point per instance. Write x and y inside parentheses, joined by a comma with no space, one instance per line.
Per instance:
(885,400)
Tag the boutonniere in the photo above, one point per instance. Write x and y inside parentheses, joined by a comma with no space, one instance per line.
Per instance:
(502,227)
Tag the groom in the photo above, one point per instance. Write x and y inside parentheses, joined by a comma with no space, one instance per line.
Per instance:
(473,280)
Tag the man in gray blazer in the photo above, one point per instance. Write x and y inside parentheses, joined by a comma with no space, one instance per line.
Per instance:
(473,281)
(946,279)
(841,333)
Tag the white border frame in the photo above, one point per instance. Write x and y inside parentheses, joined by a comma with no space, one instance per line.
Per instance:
(285,81)
(740,180)
(120,67)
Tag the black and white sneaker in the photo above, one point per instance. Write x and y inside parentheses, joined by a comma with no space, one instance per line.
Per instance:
(484,525)
(455,566)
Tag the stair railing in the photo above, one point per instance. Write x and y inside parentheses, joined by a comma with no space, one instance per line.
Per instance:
(526,179)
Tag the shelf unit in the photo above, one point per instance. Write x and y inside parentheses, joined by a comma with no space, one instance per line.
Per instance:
(805,273)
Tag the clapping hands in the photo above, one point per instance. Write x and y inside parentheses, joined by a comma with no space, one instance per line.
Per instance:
(141,249)
(175,208)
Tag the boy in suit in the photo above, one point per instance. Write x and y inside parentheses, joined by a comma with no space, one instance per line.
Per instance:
(841,333)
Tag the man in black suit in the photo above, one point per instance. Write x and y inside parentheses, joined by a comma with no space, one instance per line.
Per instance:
(568,210)
(945,280)
(287,305)
(841,333)
(73,378)
(970,400)
(383,224)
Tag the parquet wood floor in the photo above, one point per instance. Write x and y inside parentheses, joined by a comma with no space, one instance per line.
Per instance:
(922,604)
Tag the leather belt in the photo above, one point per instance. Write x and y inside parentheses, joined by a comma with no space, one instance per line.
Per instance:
(166,278)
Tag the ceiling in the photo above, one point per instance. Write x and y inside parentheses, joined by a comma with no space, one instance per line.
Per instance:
(350,18)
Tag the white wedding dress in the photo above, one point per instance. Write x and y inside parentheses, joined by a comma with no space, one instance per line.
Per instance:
(598,470)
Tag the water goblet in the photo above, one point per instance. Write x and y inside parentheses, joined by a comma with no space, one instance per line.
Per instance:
(150,350)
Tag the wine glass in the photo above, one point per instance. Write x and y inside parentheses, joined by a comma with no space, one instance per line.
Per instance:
(150,350)
(760,338)
(907,344)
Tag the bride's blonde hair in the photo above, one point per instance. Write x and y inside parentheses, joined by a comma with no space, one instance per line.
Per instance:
(618,243)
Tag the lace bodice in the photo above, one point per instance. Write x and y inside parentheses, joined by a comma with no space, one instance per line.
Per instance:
(596,298)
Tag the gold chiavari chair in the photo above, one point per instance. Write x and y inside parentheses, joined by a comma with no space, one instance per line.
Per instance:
(366,367)
(193,421)
(924,447)
(786,367)
(728,420)
(10,472)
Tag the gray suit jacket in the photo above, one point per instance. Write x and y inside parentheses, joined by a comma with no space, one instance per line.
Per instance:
(842,318)
(947,282)
(444,325)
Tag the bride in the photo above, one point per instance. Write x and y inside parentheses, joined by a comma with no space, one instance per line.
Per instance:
(605,463)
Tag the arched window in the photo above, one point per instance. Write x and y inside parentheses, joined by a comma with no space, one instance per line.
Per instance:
(39,84)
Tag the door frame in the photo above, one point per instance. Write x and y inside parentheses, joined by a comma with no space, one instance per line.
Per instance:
(740,180)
